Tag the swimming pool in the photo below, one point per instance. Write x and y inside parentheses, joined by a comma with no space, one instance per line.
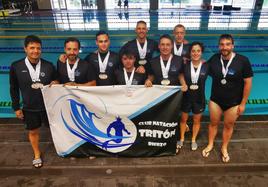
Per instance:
(250,30)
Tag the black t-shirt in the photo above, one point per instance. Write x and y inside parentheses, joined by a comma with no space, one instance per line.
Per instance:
(138,79)
(113,64)
(231,92)
(197,96)
(21,82)
(185,50)
(152,47)
(174,71)
(83,73)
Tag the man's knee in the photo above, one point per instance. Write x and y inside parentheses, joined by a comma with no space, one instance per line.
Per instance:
(228,125)
(34,132)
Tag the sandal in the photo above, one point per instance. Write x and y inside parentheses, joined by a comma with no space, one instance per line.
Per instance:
(206,152)
(225,157)
(37,163)
(179,144)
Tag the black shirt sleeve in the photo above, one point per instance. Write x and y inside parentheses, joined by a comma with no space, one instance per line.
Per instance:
(247,70)
(14,89)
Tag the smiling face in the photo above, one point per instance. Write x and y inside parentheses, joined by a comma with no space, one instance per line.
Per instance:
(103,43)
(72,50)
(226,48)
(196,53)
(33,51)
(165,46)
(141,31)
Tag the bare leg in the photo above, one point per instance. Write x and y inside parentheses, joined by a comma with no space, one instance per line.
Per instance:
(34,140)
(215,113)
(184,118)
(196,125)
(230,116)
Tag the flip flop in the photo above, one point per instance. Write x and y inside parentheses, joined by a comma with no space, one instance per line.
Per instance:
(225,158)
(206,152)
(37,163)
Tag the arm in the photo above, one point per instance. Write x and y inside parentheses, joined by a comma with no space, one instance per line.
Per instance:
(15,93)
(149,81)
(246,92)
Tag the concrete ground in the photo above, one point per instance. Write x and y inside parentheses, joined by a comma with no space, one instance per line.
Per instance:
(248,166)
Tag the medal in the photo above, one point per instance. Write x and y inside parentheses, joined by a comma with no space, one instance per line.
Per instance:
(71,71)
(142,62)
(129,80)
(223,81)
(165,82)
(142,51)
(37,85)
(195,76)
(178,52)
(34,73)
(103,76)
(165,70)
(103,65)
(194,87)
(225,70)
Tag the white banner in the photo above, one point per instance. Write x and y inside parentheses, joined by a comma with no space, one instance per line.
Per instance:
(100,116)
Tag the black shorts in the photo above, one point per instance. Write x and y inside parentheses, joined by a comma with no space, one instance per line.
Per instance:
(194,107)
(224,106)
(34,120)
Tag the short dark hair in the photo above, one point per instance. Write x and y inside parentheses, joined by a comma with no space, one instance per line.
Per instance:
(32,39)
(141,22)
(196,43)
(101,33)
(129,53)
(167,36)
(226,36)
(72,39)
(179,26)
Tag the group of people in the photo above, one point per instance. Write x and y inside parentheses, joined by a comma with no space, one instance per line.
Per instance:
(141,61)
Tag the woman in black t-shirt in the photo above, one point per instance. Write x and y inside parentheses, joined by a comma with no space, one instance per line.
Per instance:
(194,74)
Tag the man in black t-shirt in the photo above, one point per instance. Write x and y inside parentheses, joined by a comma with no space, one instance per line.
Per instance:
(231,84)
(165,68)
(28,76)
(127,75)
(75,72)
(142,47)
(104,61)
(180,46)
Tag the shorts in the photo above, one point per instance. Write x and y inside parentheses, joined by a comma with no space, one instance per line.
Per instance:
(224,106)
(34,120)
(194,107)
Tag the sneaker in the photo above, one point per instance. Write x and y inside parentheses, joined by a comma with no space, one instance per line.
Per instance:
(179,144)
(194,146)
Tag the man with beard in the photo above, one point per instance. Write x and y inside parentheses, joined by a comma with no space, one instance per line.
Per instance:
(231,84)
(28,76)
(142,47)
(104,61)
(166,68)
(75,72)
(181,46)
